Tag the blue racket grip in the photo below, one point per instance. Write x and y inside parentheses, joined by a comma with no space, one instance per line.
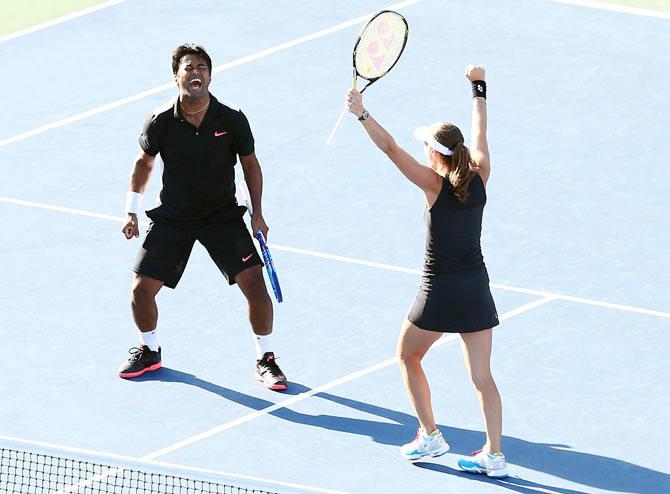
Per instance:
(270,267)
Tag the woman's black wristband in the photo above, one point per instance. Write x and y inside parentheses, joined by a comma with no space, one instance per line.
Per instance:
(479,89)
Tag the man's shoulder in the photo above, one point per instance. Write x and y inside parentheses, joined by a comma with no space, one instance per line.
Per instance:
(228,106)
(232,114)
(230,110)
(164,110)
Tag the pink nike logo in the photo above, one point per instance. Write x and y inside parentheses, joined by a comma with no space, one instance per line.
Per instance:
(219,133)
(245,259)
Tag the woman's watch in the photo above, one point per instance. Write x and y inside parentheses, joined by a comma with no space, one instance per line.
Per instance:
(364,116)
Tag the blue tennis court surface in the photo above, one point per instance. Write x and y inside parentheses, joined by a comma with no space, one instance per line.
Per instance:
(575,239)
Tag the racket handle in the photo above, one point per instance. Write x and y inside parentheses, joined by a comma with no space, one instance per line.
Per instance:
(337,126)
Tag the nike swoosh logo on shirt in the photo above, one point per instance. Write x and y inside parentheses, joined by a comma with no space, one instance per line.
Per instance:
(245,259)
(218,133)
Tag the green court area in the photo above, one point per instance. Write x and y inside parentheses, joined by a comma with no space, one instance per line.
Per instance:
(21,14)
(662,5)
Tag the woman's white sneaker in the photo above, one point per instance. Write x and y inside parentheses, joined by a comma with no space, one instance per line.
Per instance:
(492,465)
(431,445)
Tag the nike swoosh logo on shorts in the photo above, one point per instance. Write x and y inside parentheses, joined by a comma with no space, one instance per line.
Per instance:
(245,259)
(219,133)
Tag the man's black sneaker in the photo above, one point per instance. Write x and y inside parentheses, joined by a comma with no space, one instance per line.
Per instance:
(141,360)
(269,373)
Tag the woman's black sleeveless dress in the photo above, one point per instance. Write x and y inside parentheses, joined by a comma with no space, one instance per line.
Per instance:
(454,296)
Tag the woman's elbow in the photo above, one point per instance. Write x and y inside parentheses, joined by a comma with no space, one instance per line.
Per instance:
(390,148)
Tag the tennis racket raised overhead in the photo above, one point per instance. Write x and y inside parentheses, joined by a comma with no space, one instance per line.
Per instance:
(265,252)
(376,51)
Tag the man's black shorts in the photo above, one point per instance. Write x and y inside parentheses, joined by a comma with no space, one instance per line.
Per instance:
(166,249)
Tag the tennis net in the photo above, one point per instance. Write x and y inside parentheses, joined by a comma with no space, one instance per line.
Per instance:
(37,468)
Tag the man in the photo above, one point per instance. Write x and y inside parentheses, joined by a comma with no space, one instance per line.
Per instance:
(199,140)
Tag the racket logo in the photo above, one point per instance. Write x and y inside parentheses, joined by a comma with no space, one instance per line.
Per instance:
(383,27)
(377,53)
(379,45)
(219,133)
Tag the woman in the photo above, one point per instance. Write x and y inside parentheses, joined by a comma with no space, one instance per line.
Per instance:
(454,296)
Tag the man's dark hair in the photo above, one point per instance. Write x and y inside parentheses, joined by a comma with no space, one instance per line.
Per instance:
(189,49)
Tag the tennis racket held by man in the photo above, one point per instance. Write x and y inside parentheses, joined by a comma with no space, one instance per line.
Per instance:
(265,251)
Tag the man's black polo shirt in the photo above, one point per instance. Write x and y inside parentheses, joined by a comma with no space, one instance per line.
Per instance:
(198,173)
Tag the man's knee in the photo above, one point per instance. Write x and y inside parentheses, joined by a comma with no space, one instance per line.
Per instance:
(144,290)
(252,284)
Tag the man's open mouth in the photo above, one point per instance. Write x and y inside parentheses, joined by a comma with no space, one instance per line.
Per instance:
(195,83)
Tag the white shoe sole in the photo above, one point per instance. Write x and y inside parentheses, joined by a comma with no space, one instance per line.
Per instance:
(274,387)
(432,454)
(496,474)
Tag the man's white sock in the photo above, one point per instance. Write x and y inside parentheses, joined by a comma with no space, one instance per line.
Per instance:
(150,339)
(262,345)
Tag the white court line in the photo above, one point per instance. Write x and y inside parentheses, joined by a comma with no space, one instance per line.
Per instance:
(528,291)
(616,8)
(59,20)
(171,468)
(149,92)
(59,209)
(219,68)
(362,262)
(320,389)
(150,457)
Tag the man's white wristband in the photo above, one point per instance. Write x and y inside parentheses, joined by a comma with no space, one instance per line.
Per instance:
(133,202)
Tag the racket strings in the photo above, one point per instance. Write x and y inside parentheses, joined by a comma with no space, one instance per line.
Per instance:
(381,44)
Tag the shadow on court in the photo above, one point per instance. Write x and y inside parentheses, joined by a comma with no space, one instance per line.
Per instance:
(554,459)
(512,483)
